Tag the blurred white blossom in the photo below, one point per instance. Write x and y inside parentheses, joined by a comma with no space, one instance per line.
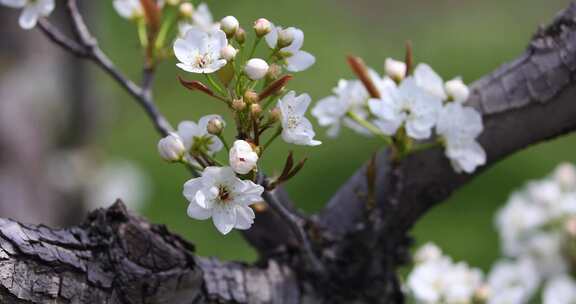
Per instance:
(512,282)
(32,10)
(560,290)
(129,9)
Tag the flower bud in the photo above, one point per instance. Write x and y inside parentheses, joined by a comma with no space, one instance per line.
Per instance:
(173,2)
(243,159)
(240,36)
(285,37)
(570,227)
(256,68)
(171,148)
(262,27)
(250,97)
(274,72)
(275,115)
(565,176)
(215,126)
(238,104)
(229,25)
(186,10)
(255,110)
(228,52)
(457,90)
(395,69)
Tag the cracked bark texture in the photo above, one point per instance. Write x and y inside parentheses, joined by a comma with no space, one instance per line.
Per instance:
(115,257)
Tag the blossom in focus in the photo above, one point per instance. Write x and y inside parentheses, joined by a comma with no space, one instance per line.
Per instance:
(243,159)
(220,195)
(296,59)
(409,105)
(196,137)
(200,51)
(459,126)
(296,128)
(32,10)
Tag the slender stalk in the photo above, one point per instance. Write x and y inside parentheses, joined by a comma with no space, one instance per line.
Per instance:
(271,139)
(372,128)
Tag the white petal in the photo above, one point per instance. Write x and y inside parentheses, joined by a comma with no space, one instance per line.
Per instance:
(388,127)
(224,219)
(198,213)
(202,16)
(215,66)
(14,3)
(191,187)
(427,79)
(298,41)
(300,61)
(187,130)
(244,217)
(185,51)
(272,37)
(29,17)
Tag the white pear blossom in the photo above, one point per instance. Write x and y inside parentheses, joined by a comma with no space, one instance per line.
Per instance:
(439,280)
(296,128)
(129,9)
(243,159)
(262,27)
(349,96)
(32,10)
(219,194)
(457,90)
(171,147)
(296,60)
(256,68)
(196,137)
(201,51)
(200,18)
(395,69)
(459,126)
(565,176)
(408,105)
(428,80)
(512,282)
(427,252)
(560,290)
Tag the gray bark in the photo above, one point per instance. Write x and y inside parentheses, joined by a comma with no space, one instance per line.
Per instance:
(115,257)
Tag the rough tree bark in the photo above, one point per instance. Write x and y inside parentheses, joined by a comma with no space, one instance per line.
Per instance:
(115,257)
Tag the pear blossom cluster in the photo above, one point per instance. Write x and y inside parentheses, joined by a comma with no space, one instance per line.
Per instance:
(537,228)
(410,107)
(253,89)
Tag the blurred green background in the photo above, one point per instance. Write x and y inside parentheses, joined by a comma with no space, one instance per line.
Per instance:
(468,38)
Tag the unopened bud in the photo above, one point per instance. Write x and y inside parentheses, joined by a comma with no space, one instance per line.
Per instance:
(186,10)
(240,36)
(255,110)
(570,227)
(262,27)
(215,126)
(395,69)
(274,71)
(250,97)
(285,37)
(457,90)
(171,148)
(238,104)
(275,115)
(228,52)
(256,68)
(229,25)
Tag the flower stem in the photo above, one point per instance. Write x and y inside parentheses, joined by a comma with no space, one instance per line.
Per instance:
(370,127)
(142,33)
(276,134)
(253,50)
(215,85)
(166,26)
(221,137)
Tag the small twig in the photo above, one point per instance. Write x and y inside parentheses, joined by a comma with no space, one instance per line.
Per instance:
(60,39)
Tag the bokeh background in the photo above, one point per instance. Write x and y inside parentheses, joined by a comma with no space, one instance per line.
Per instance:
(467,38)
